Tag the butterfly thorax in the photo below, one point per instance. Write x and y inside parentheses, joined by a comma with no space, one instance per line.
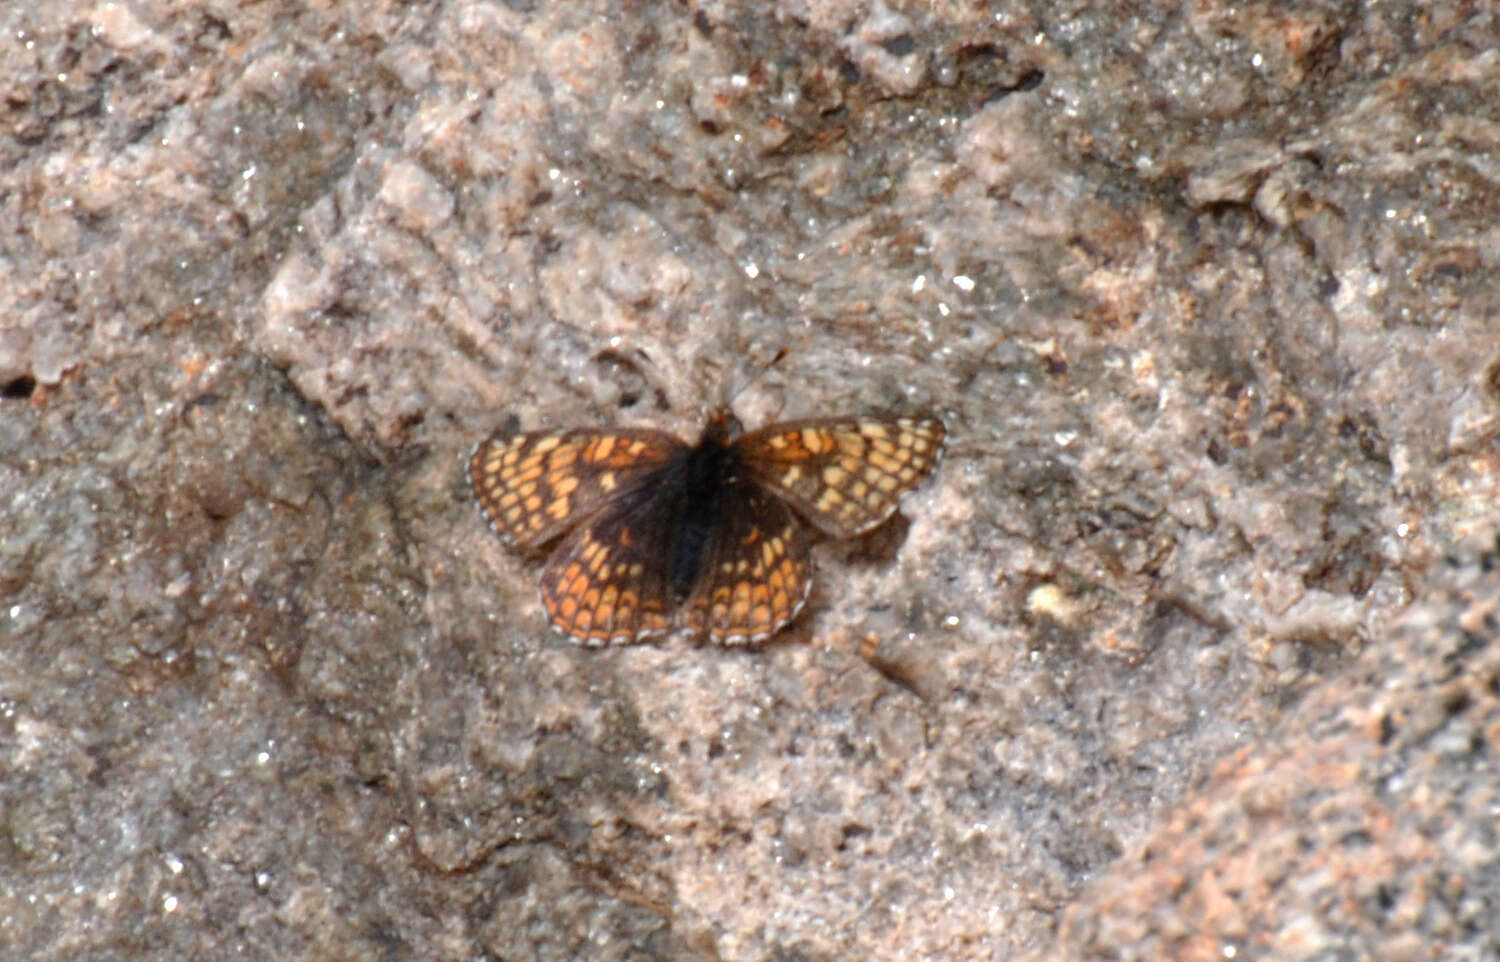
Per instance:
(701,476)
(721,428)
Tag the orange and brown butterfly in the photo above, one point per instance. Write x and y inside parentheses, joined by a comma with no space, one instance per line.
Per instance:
(658,534)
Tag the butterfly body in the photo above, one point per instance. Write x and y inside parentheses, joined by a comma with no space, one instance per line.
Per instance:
(658,534)
(698,485)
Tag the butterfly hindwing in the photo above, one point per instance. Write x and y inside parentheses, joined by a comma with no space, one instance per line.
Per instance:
(605,583)
(755,577)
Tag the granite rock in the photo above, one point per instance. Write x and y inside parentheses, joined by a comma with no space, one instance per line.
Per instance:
(1188,649)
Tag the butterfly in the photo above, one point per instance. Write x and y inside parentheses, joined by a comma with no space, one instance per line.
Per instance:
(659,535)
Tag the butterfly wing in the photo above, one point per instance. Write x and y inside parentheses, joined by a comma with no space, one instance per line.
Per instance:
(534,485)
(607,582)
(755,576)
(845,475)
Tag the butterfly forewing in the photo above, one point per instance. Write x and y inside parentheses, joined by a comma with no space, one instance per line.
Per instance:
(534,485)
(755,578)
(845,475)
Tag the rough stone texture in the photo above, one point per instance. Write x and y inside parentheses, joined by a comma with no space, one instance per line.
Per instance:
(1188,650)
(1368,832)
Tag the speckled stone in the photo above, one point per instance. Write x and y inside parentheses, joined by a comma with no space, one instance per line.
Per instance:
(1167,659)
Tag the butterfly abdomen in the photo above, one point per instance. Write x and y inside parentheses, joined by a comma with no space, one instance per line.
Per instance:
(701,474)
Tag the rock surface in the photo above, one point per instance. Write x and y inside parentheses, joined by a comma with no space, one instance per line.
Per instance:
(1188,650)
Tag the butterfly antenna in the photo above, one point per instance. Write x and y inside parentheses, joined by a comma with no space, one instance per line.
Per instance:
(733,395)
